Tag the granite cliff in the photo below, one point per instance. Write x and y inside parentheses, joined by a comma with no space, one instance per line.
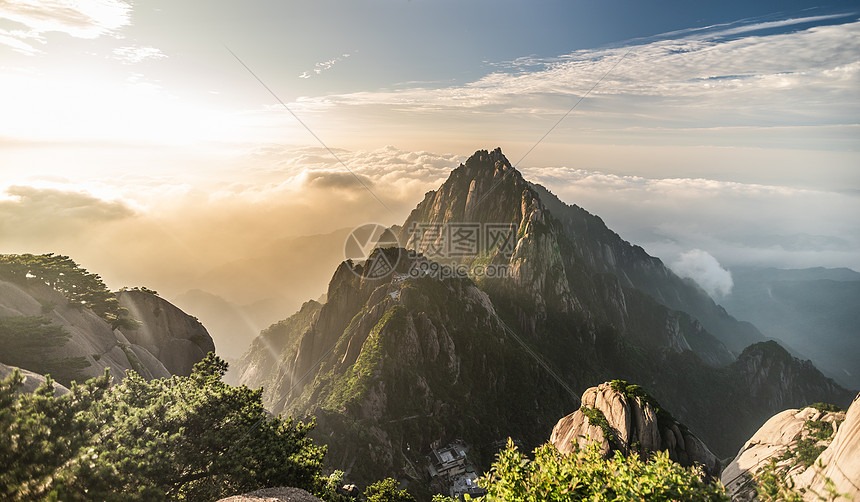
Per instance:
(159,340)
(813,449)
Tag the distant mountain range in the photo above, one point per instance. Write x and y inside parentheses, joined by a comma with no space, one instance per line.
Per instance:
(495,308)
(815,311)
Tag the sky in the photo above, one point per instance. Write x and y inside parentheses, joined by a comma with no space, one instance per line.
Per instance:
(156,141)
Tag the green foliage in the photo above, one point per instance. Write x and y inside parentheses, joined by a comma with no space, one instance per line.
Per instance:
(598,419)
(825,407)
(144,289)
(772,486)
(811,442)
(819,429)
(29,342)
(183,438)
(81,287)
(387,491)
(807,450)
(632,391)
(353,386)
(330,486)
(586,475)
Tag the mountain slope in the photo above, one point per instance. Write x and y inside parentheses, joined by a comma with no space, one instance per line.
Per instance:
(438,348)
(52,333)
(606,251)
(549,270)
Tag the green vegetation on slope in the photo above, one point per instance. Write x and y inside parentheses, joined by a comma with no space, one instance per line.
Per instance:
(61,273)
(585,475)
(184,438)
(387,490)
(632,391)
(29,341)
(353,386)
(598,419)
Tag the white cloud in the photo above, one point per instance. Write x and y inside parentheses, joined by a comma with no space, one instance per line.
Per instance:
(136,54)
(16,40)
(703,268)
(739,223)
(806,78)
(324,65)
(77,18)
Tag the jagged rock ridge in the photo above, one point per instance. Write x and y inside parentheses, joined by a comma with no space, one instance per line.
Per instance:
(549,271)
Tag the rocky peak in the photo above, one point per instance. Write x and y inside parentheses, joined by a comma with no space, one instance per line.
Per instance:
(814,449)
(777,378)
(485,189)
(622,417)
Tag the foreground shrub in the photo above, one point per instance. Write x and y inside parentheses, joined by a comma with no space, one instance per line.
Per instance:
(586,475)
(183,438)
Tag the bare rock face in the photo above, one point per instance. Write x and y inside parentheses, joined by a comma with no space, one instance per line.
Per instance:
(175,338)
(623,418)
(31,380)
(779,440)
(91,337)
(279,494)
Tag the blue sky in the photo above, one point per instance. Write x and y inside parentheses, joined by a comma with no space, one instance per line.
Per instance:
(729,127)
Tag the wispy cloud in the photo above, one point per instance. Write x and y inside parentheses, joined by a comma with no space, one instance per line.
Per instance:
(734,76)
(324,65)
(136,54)
(81,19)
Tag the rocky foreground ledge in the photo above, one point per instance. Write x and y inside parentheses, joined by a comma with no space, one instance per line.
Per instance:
(817,448)
(278,494)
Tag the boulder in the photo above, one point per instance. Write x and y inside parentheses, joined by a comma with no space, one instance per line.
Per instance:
(279,494)
(632,426)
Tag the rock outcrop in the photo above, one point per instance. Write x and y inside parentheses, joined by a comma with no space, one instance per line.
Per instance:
(279,494)
(157,348)
(90,336)
(175,338)
(800,446)
(622,418)
(31,380)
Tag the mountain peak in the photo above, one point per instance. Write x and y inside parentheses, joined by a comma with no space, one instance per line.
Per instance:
(493,158)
